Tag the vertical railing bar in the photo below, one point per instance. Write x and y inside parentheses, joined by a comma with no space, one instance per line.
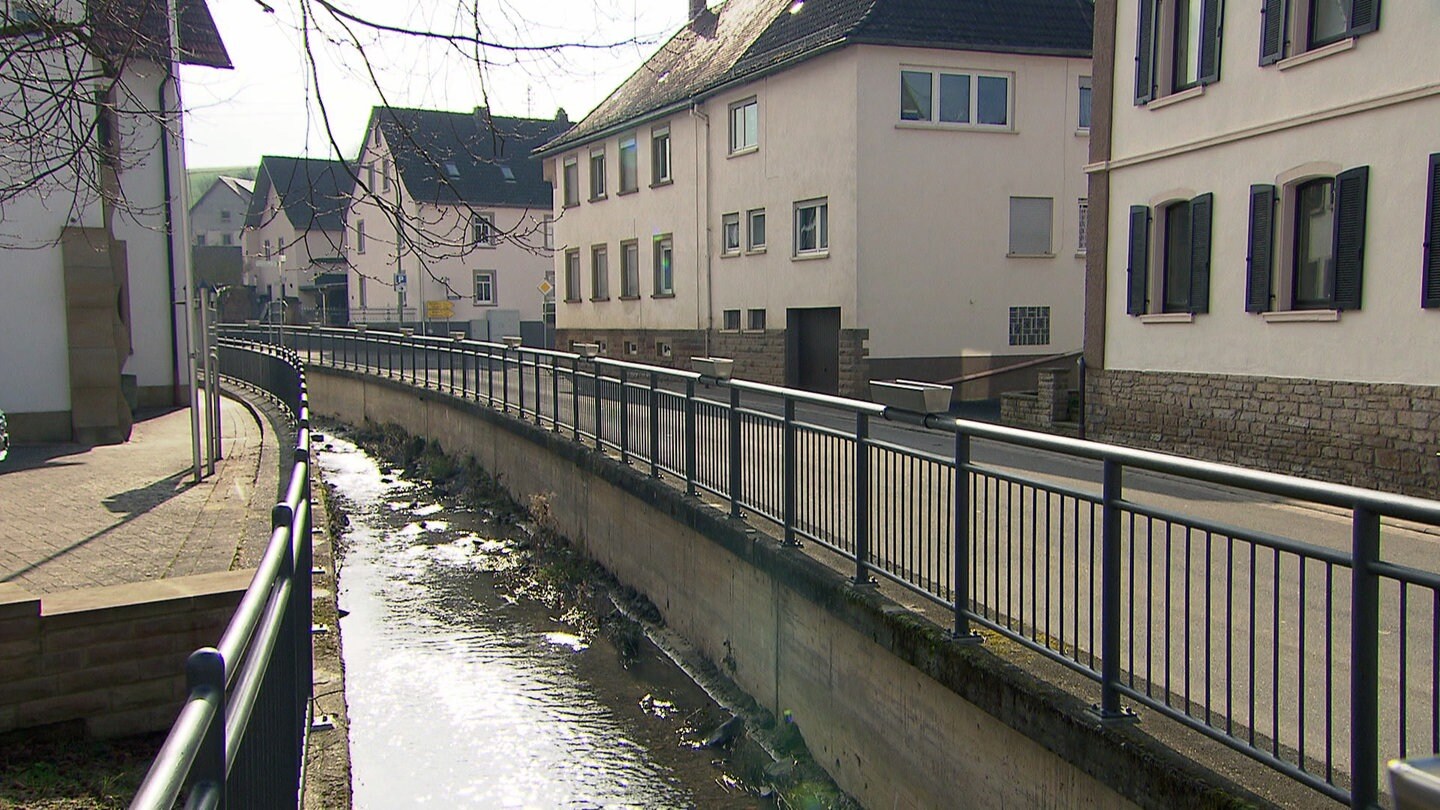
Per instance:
(690,448)
(1364,660)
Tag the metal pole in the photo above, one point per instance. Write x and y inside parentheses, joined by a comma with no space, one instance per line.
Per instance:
(654,425)
(520,383)
(624,419)
(204,313)
(537,389)
(599,411)
(961,551)
(789,472)
(737,478)
(690,449)
(862,497)
(555,393)
(1110,593)
(1365,661)
(575,398)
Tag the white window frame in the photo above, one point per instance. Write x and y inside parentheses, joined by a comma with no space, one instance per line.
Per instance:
(599,273)
(1086,86)
(663,281)
(1082,231)
(730,227)
(821,248)
(748,110)
(630,269)
(482,231)
(660,167)
(751,324)
(973,78)
(570,182)
(752,245)
(488,278)
(573,292)
(597,174)
(730,320)
(359,237)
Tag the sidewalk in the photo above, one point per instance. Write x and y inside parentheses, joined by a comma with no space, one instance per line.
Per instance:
(80,517)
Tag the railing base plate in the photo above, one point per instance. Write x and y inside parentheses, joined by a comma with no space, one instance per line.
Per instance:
(1124,717)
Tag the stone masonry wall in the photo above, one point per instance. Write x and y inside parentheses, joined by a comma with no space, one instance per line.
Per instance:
(1382,436)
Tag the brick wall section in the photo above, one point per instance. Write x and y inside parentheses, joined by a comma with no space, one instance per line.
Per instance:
(758,356)
(112,657)
(1382,436)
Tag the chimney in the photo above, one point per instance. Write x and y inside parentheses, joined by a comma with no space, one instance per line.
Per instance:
(697,7)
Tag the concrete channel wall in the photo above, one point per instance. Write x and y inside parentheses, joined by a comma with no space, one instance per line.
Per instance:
(896,712)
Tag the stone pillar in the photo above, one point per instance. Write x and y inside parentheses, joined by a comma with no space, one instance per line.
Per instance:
(1054,394)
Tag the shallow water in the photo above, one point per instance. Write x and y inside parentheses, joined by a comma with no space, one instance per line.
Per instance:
(460,695)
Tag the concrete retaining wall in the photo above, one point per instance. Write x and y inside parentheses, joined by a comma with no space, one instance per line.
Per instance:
(113,657)
(898,714)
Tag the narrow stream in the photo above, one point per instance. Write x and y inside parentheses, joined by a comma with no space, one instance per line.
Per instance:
(461,695)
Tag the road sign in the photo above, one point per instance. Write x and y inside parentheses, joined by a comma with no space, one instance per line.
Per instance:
(440,310)
(400,279)
(546,288)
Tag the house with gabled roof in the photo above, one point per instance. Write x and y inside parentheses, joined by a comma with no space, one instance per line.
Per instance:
(831,191)
(89,328)
(294,239)
(217,216)
(449,223)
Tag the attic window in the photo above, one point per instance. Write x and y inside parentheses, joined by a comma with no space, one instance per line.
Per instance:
(451,170)
(796,6)
(509,173)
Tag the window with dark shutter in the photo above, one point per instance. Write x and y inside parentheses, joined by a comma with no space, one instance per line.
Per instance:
(1210,20)
(1145,53)
(1351,192)
(1200,216)
(1260,249)
(1138,273)
(1273,25)
(1431,294)
(1364,16)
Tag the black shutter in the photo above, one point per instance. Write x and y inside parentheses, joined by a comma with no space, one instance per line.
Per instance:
(1431,294)
(1138,278)
(1272,30)
(1261,249)
(1145,53)
(1210,24)
(1200,214)
(1364,16)
(1351,191)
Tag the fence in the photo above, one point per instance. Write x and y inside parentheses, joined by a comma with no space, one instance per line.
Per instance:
(239,740)
(1313,655)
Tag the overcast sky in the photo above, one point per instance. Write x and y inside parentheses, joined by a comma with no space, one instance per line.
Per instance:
(270,104)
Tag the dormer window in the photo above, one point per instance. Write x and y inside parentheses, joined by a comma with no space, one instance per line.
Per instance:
(451,170)
(508,173)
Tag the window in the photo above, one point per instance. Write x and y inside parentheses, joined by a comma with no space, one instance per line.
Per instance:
(227,239)
(630,269)
(755,235)
(370,177)
(570,183)
(1084,227)
(1430,296)
(664,265)
(1084,119)
(267,247)
(484,287)
(755,320)
(547,228)
(730,234)
(812,227)
(597,175)
(385,175)
(1177,47)
(1029,326)
(452,170)
(1323,248)
(362,290)
(599,273)
(572,275)
(660,155)
(968,98)
(631,347)
(1030,226)
(629,165)
(359,238)
(744,126)
(731,320)
(482,230)
(200,239)
(224,215)
(1291,27)
(507,173)
(1182,263)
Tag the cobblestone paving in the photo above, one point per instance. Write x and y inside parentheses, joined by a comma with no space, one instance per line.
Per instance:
(79,517)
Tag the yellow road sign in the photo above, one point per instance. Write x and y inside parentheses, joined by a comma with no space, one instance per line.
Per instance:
(440,310)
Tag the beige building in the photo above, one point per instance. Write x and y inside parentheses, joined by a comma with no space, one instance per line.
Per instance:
(294,240)
(1264,277)
(449,225)
(835,192)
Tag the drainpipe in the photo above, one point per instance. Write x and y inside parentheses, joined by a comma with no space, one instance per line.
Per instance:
(702,216)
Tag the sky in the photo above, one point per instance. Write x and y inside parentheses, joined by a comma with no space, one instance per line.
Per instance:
(271,104)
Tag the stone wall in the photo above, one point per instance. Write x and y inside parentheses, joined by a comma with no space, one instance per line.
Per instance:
(1383,436)
(1047,408)
(112,657)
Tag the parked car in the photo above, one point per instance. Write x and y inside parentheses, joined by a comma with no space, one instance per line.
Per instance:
(4,437)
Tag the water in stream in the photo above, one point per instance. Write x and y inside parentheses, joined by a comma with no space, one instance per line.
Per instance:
(461,695)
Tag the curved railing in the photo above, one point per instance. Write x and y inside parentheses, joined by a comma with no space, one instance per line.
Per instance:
(239,740)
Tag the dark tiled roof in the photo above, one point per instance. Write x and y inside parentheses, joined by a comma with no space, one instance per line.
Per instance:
(140,28)
(745,38)
(313,193)
(468,158)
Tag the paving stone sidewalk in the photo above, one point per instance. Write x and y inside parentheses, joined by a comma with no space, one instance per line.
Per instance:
(78,517)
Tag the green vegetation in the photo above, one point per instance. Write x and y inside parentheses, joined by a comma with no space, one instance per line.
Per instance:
(57,769)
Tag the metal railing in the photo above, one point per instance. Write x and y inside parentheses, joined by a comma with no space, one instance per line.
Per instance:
(1313,654)
(239,740)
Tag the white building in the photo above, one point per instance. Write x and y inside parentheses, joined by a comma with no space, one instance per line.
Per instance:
(833,192)
(87,324)
(217,219)
(294,239)
(449,224)
(1265,277)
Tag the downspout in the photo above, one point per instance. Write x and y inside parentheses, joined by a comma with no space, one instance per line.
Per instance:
(170,262)
(702,218)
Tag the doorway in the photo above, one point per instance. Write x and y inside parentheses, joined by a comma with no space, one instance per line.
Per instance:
(812,349)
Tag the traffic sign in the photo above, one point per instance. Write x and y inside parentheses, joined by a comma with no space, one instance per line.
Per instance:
(440,310)
(546,288)
(400,279)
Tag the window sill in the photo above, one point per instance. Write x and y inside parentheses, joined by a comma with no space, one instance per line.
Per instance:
(574,300)
(752,331)
(1082,132)
(625,192)
(662,183)
(749,150)
(1080,254)
(805,257)
(1168,317)
(729,254)
(598,197)
(1175,98)
(485,303)
(1029,255)
(946,127)
(600,298)
(570,205)
(629,298)
(1314,55)
(663,295)
(755,251)
(1302,316)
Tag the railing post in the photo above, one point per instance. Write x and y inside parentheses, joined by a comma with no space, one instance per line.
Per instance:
(520,384)
(575,397)
(205,679)
(737,478)
(624,419)
(504,380)
(788,517)
(1365,661)
(555,393)
(489,377)
(961,551)
(862,497)
(690,450)
(654,425)
(1111,494)
(537,389)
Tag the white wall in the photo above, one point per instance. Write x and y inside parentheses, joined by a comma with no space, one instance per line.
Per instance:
(206,219)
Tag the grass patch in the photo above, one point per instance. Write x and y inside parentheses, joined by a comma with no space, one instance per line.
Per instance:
(61,770)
